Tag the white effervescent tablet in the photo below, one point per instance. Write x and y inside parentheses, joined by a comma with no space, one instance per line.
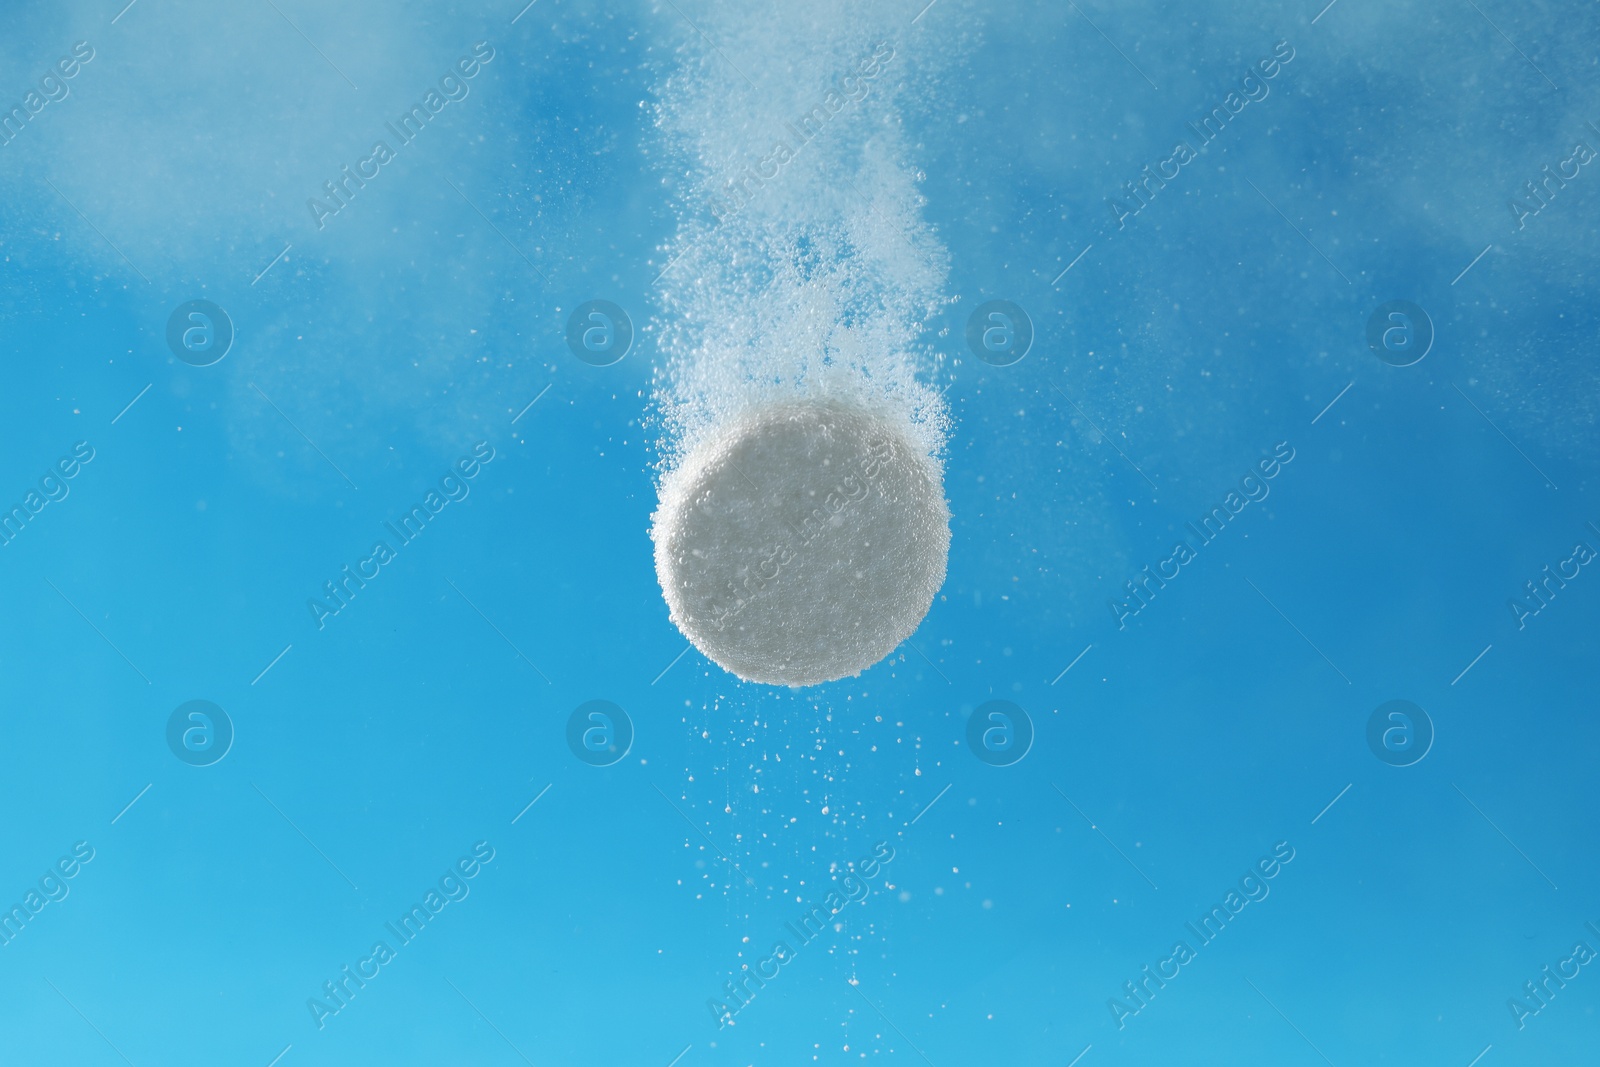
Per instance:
(803,542)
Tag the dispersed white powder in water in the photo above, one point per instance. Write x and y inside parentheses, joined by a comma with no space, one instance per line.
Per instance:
(804,543)
(802,531)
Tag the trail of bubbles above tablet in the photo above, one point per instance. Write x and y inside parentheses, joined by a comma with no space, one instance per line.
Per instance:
(802,530)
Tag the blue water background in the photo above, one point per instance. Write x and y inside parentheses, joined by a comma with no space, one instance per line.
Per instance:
(427,714)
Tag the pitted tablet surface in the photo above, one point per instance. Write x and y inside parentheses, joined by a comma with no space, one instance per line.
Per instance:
(802,544)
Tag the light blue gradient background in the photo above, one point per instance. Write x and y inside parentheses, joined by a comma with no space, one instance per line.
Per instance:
(408,729)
